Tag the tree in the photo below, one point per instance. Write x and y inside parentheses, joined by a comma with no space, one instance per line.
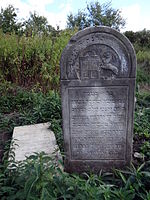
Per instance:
(37,25)
(96,14)
(80,20)
(8,20)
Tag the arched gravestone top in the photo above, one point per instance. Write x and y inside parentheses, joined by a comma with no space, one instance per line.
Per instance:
(113,54)
(98,68)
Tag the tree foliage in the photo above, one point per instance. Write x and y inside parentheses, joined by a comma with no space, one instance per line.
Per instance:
(96,14)
(37,25)
(34,25)
(141,38)
(8,20)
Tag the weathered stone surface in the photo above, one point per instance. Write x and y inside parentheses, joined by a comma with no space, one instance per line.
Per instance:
(33,138)
(98,68)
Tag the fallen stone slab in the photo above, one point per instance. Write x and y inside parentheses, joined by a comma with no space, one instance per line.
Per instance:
(31,139)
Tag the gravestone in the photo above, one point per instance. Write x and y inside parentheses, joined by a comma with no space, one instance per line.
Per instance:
(98,69)
(35,138)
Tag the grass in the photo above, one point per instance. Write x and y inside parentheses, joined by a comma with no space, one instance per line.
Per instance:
(21,107)
(143,78)
(39,178)
(34,63)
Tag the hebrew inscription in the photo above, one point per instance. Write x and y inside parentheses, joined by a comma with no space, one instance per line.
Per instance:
(98,122)
(98,68)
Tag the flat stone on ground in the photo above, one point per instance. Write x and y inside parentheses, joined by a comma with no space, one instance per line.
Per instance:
(33,138)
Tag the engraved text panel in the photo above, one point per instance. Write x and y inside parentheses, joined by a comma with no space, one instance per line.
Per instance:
(98,122)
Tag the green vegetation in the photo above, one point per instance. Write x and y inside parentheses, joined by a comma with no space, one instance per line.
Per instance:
(39,178)
(32,61)
(141,42)
(20,107)
(96,14)
(37,25)
(29,93)
(8,20)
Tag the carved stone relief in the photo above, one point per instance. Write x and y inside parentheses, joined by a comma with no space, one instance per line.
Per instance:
(97,86)
(113,58)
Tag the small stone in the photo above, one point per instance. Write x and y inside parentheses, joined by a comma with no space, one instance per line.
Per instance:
(138,155)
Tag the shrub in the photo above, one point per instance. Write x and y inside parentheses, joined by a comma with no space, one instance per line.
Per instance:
(20,107)
(143,58)
(143,77)
(39,177)
(32,61)
(141,38)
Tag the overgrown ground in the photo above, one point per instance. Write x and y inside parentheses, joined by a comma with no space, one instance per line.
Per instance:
(39,178)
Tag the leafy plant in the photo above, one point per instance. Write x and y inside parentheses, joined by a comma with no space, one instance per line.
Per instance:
(20,107)
(40,177)
(32,62)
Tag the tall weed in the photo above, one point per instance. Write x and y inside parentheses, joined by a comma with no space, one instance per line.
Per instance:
(32,61)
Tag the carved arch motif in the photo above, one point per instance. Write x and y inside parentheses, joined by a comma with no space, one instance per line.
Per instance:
(109,53)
